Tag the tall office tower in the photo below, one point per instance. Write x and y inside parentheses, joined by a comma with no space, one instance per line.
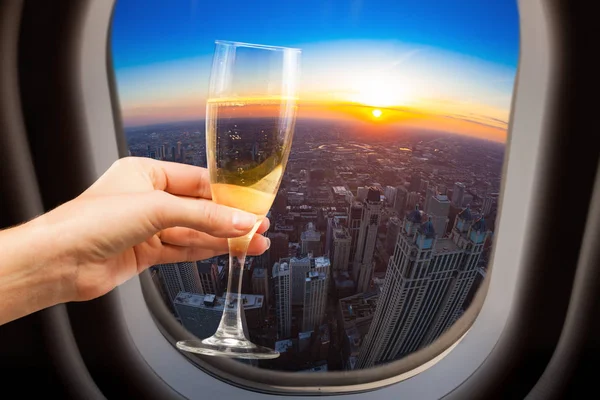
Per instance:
(425,286)
(488,203)
(181,277)
(279,247)
(355,314)
(354,218)
(361,193)
(362,268)
(315,293)
(390,195)
(340,249)
(438,209)
(311,241)
(209,277)
(458,194)
(400,200)
(299,267)
(393,230)
(283,298)
(431,192)
(260,283)
(159,282)
(412,200)
(470,236)
(331,221)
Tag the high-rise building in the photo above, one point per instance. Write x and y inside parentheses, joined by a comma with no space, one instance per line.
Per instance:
(458,194)
(209,277)
(299,267)
(180,277)
(361,193)
(283,298)
(354,219)
(390,195)
(425,287)
(438,209)
(393,229)
(412,200)
(355,315)
(159,282)
(488,203)
(315,293)
(362,268)
(311,241)
(340,249)
(400,200)
(260,283)
(431,192)
(279,247)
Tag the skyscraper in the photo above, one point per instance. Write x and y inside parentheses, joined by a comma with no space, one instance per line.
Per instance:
(315,293)
(425,287)
(488,203)
(362,268)
(458,194)
(209,277)
(340,249)
(354,219)
(180,277)
(438,208)
(260,283)
(400,200)
(311,241)
(283,298)
(299,267)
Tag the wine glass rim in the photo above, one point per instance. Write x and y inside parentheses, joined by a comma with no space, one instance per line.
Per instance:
(257,46)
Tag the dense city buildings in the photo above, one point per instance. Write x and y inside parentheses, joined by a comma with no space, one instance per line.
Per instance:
(379,242)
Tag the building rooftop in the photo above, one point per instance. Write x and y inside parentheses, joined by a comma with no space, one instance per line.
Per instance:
(445,246)
(215,303)
(359,306)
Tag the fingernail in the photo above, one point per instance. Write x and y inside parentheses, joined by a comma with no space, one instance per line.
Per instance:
(268,243)
(243,220)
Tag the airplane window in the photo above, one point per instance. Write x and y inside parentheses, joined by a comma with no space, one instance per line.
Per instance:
(393,182)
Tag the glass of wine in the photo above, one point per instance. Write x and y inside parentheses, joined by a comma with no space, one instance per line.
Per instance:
(250,118)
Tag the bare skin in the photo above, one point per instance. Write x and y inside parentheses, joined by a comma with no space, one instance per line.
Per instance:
(140,212)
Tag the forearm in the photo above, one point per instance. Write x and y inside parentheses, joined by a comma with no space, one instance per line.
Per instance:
(31,275)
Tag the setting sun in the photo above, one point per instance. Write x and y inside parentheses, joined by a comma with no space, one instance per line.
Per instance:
(376,113)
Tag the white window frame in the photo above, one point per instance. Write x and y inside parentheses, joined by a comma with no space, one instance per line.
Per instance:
(523,170)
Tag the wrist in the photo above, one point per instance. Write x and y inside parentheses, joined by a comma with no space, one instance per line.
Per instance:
(31,274)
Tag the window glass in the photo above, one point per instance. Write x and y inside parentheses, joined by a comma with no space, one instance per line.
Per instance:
(396,163)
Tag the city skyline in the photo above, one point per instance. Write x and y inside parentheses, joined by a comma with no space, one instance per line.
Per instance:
(422,66)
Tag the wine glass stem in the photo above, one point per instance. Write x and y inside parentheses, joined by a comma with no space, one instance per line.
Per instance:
(231,322)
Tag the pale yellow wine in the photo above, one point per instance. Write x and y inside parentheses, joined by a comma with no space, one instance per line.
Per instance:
(248,143)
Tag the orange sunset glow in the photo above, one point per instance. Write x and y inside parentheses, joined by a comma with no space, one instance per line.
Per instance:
(422,88)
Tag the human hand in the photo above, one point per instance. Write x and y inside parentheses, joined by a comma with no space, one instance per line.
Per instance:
(141,212)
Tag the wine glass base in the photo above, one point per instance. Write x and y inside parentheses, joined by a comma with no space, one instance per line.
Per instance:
(232,348)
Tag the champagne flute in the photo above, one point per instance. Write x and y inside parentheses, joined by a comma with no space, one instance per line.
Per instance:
(250,118)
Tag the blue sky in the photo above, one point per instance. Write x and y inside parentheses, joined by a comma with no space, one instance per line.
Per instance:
(149,31)
(442,58)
